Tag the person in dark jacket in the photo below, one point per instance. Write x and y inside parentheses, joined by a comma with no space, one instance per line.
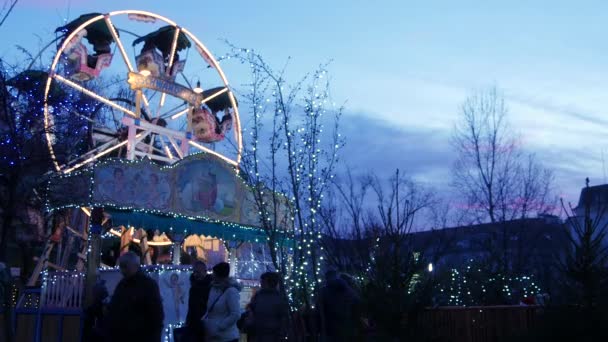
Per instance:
(269,311)
(135,313)
(93,328)
(200,284)
(338,306)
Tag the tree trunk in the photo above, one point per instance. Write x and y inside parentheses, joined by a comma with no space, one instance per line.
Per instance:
(7,218)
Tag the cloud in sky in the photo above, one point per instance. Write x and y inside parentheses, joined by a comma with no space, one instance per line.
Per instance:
(425,154)
(381,147)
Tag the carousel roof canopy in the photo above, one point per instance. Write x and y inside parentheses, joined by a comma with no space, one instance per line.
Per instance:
(201,194)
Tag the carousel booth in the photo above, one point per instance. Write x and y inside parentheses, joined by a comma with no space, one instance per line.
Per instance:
(198,208)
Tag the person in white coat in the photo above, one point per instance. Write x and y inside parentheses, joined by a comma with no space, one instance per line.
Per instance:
(223,306)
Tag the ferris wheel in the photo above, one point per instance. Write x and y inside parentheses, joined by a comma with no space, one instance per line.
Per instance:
(151,96)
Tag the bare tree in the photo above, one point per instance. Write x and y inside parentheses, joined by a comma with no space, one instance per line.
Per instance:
(6,9)
(386,233)
(398,283)
(498,181)
(347,233)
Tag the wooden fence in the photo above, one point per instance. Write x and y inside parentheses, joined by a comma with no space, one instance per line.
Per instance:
(450,324)
(63,290)
(478,324)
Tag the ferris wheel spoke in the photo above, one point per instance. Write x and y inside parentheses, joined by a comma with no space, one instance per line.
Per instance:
(180,113)
(174,145)
(171,112)
(82,116)
(171,60)
(216,94)
(210,151)
(166,149)
(123,53)
(92,94)
(101,154)
(118,42)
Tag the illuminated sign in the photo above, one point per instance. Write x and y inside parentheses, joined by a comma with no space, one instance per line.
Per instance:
(138,81)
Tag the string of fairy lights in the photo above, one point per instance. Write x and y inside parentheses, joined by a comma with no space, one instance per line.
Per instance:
(470,286)
(301,141)
(26,91)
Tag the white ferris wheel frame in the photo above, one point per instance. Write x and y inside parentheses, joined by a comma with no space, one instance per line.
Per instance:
(139,129)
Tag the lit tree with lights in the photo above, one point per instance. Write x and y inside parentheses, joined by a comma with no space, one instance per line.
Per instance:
(24,158)
(290,152)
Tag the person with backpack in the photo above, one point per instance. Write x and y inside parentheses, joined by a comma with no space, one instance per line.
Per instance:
(223,306)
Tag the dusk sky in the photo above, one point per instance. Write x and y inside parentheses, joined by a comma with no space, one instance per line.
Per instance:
(404,68)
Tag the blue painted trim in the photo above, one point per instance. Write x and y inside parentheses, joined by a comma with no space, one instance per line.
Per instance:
(193,226)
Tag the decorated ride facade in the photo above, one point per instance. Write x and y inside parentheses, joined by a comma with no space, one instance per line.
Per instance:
(158,174)
(196,209)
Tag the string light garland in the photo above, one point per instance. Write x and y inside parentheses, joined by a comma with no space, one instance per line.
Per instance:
(469,287)
(310,166)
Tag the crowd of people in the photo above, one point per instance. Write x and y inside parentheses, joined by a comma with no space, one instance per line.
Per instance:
(135,310)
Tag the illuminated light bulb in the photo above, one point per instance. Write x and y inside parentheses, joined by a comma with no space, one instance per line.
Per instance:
(145,72)
(198,88)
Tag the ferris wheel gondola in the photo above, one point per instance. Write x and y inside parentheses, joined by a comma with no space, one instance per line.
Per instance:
(130,119)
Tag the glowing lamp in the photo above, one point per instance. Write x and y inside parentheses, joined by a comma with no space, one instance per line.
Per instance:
(198,88)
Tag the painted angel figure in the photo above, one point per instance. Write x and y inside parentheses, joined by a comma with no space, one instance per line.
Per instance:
(178,294)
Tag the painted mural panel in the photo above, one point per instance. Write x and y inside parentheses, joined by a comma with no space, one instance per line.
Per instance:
(140,185)
(209,187)
(202,185)
(250,213)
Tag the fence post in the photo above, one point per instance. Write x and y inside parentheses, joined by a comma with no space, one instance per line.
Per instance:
(94,253)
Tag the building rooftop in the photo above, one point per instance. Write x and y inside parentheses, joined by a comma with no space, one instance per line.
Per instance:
(593,196)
